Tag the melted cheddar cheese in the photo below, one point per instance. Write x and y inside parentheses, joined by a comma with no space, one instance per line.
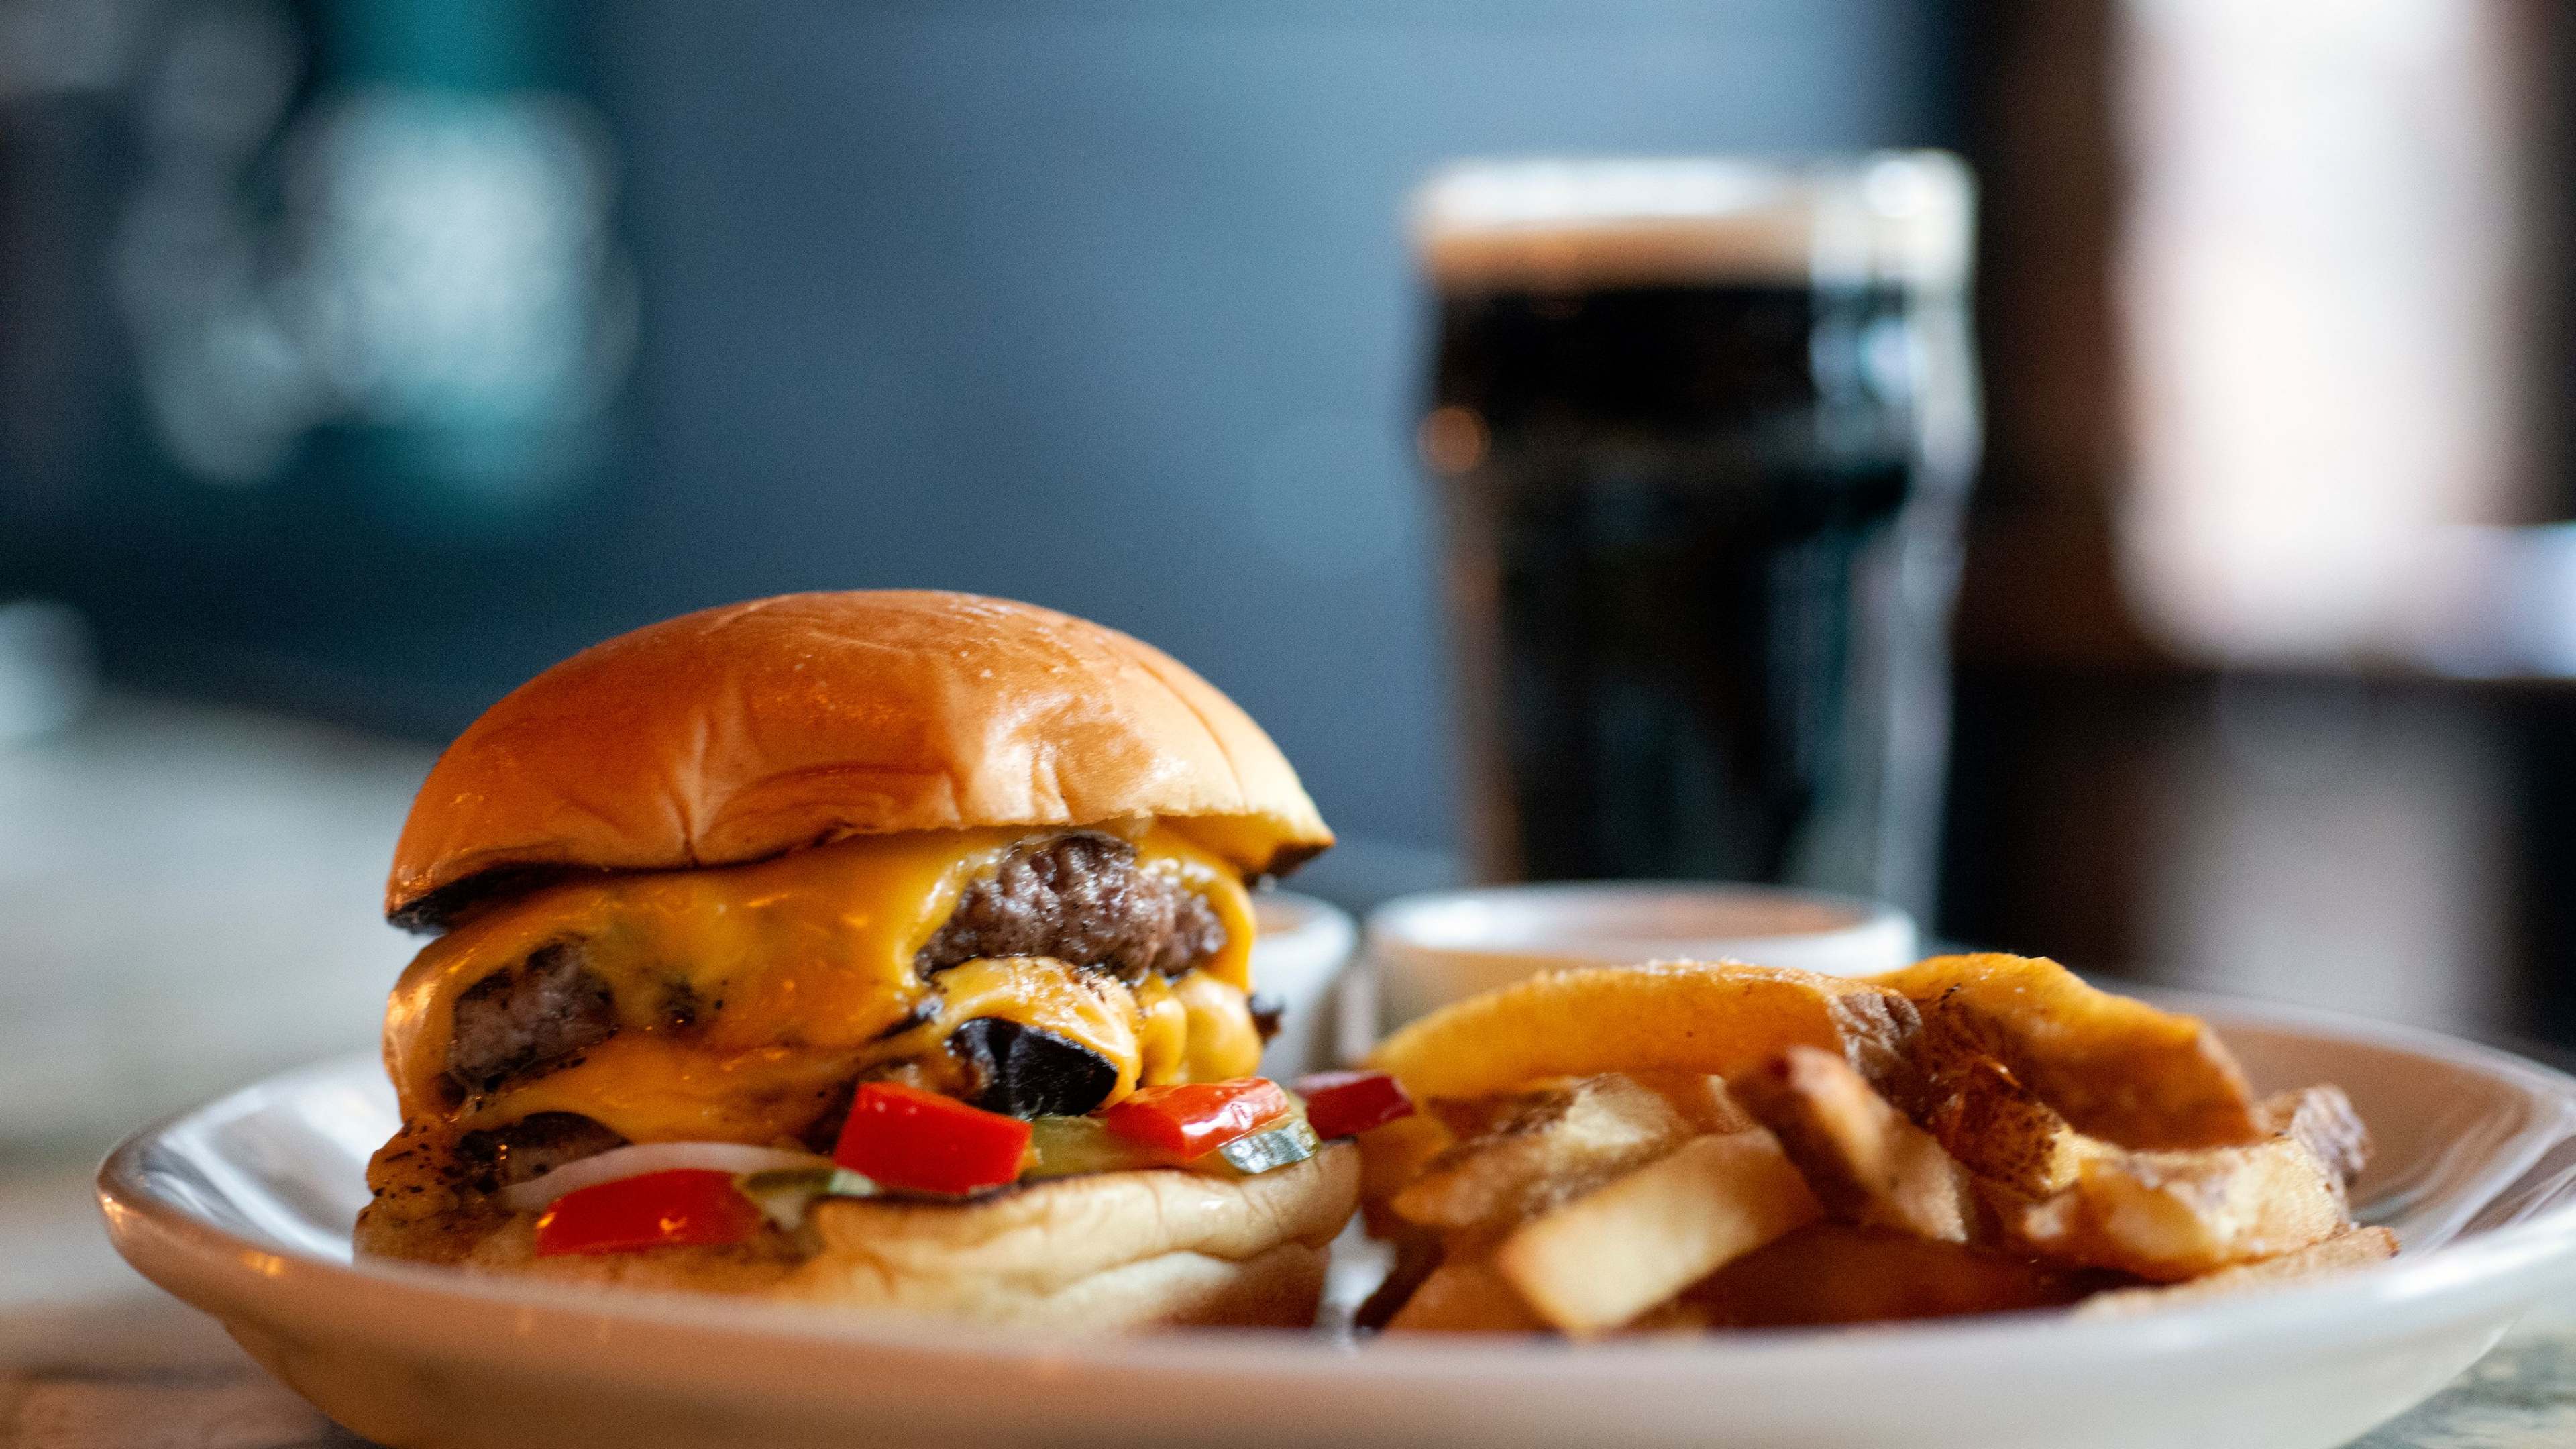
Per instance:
(747,996)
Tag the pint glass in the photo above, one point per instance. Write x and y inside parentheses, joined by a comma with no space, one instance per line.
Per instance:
(1701,430)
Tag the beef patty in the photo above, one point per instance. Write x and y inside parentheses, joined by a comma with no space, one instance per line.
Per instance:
(1082,900)
(531,1147)
(511,1023)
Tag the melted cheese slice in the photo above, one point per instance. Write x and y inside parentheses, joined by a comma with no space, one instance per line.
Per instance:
(747,996)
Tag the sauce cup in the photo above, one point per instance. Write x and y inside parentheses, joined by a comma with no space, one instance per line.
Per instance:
(1427,950)
(1302,947)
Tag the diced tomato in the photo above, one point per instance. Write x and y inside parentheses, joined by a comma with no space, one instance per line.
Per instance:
(1346,1104)
(683,1207)
(1198,1118)
(903,1137)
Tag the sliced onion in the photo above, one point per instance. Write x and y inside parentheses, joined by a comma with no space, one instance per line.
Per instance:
(538,1193)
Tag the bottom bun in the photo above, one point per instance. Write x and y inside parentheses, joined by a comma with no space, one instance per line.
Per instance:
(1111,1250)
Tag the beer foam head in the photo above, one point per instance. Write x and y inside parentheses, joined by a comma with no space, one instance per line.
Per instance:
(1567,224)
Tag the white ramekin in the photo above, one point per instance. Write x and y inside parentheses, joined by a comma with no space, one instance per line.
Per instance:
(1427,950)
(1303,946)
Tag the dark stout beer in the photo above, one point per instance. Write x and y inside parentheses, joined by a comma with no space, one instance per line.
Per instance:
(1702,430)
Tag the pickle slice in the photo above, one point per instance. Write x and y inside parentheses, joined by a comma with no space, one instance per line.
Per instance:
(1285,1144)
(1072,1146)
(785,1194)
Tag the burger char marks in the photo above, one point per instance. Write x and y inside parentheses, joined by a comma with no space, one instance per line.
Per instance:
(1083,900)
(500,1157)
(518,1023)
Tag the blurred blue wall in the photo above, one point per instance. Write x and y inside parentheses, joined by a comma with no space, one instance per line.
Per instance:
(1104,306)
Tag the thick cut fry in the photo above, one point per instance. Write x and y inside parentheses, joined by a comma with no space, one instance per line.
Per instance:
(1835,1273)
(1466,1296)
(1862,1159)
(2321,1119)
(2117,1068)
(2168,1216)
(2355,1248)
(1538,1149)
(1715,1019)
(1393,1155)
(1654,1149)
(2005,1134)
(1702,1100)
(1602,1259)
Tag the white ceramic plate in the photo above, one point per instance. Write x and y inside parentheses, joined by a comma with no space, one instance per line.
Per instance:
(243,1209)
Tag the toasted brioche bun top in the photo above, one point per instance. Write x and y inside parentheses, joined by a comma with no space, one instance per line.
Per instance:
(739,733)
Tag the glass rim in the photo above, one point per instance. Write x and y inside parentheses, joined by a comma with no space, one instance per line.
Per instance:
(1571,221)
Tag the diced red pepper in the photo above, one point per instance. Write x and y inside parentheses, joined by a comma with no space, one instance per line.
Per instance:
(903,1137)
(1346,1104)
(1197,1118)
(684,1207)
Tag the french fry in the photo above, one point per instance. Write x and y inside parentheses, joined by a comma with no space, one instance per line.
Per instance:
(2321,1119)
(2169,1216)
(2117,1068)
(2005,1134)
(1659,1149)
(1393,1155)
(1604,1258)
(2353,1248)
(1860,1157)
(2165,1215)
(1466,1296)
(1702,1100)
(1537,1149)
(1707,1018)
(1837,1273)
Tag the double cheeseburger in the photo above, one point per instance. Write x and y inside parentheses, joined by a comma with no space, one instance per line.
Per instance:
(882,949)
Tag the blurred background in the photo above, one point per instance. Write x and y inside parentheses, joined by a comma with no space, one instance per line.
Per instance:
(359,358)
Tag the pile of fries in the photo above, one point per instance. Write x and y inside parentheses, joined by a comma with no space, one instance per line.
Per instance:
(1711,1145)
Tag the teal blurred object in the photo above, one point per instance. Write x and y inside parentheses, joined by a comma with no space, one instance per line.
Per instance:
(400,275)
